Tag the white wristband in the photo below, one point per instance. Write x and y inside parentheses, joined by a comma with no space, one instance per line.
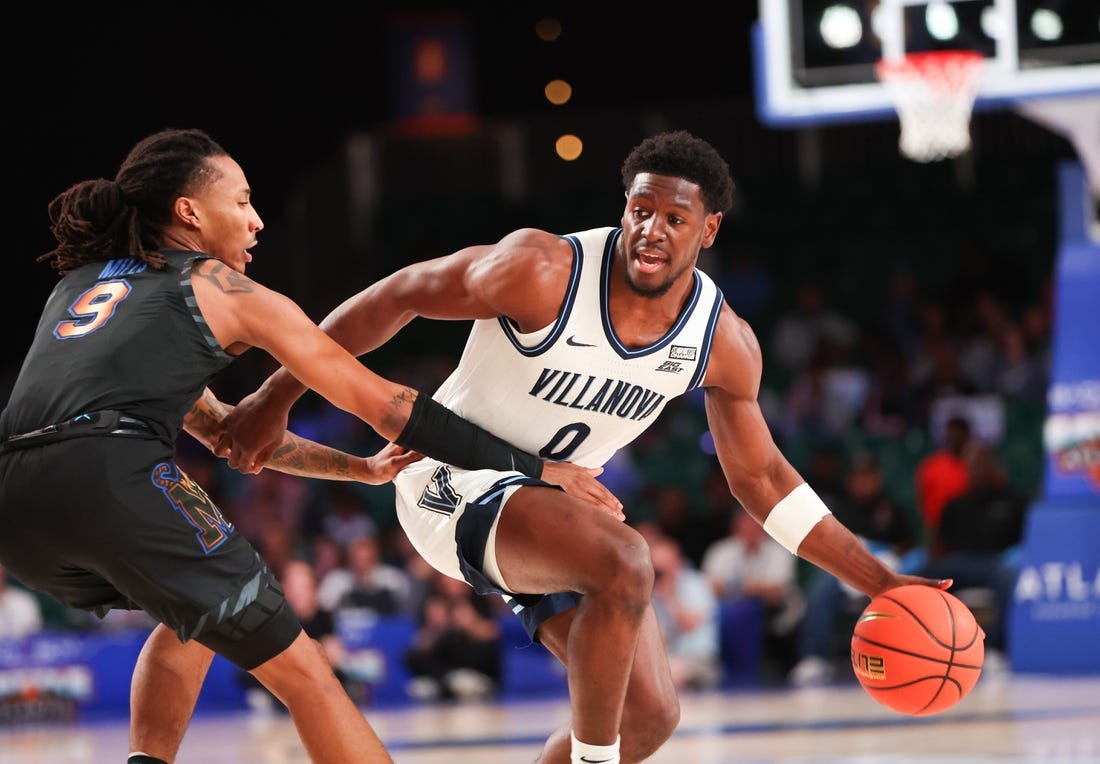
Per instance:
(796,514)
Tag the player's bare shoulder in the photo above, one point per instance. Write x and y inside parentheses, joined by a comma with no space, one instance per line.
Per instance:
(525,275)
(735,358)
(238,310)
(536,250)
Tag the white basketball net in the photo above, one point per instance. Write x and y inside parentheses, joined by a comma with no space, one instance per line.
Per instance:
(934,95)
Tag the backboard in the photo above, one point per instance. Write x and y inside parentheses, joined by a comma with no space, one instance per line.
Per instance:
(815,59)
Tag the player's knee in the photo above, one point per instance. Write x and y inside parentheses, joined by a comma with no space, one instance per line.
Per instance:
(627,572)
(647,725)
(302,675)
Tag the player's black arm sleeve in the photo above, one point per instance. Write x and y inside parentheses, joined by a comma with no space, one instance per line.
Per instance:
(436,431)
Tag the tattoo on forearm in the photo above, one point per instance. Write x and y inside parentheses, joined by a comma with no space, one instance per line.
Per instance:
(303,457)
(227,279)
(203,418)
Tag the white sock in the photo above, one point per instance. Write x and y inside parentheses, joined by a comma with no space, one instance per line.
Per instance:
(583,753)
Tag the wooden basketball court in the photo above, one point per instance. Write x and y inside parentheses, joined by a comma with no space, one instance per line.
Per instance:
(1006,719)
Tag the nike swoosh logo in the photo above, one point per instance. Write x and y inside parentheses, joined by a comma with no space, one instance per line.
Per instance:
(874,615)
(585,758)
(576,344)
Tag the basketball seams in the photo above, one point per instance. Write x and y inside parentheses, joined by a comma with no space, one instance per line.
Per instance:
(947,662)
(920,621)
(908,615)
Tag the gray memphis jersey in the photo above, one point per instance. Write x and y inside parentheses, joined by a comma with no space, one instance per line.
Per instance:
(572,391)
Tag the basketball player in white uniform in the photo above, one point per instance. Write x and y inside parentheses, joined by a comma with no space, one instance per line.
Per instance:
(578,343)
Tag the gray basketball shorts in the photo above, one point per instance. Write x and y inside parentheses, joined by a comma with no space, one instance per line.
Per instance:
(102,523)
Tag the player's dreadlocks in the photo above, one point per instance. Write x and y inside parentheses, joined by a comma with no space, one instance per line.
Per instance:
(102,219)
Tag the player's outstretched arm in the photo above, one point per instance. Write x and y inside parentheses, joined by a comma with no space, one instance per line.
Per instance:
(765,483)
(300,456)
(242,314)
(522,276)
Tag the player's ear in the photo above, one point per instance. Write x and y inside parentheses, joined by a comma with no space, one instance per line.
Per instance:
(184,210)
(710,228)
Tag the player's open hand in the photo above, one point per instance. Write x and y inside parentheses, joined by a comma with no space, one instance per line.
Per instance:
(581,483)
(249,434)
(384,465)
(900,579)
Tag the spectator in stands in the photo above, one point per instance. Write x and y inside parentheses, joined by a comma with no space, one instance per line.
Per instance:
(799,331)
(826,471)
(900,316)
(300,586)
(687,611)
(20,611)
(889,531)
(344,516)
(1020,371)
(367,582)
(456,652)
(984,321)
(946,380)
(945,473)
(745,281)
(676,518)
(326,555)
(420,573)
(756,580)
(888,408)
(270,498)
(826,397)
(299,583)
(976,538)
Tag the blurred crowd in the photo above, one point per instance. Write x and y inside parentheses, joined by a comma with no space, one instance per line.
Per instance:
(916,418)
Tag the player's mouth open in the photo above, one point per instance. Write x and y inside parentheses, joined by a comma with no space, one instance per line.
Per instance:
(648,263)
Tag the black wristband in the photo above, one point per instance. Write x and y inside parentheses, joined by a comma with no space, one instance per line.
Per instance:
(436,431)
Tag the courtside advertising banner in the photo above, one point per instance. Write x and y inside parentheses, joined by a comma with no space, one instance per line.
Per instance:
(1055,619)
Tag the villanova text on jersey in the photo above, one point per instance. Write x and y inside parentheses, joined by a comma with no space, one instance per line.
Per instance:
(611,396)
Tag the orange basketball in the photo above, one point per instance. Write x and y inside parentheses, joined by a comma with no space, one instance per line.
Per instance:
(917,649)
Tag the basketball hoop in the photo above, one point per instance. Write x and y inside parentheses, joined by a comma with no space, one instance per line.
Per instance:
(933,92)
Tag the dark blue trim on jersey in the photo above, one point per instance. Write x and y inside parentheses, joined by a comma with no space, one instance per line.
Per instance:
(471,537)
(605,292)
(708,339)
(533,609)
(494,493)
(563,315)
(473,528)
(193,306)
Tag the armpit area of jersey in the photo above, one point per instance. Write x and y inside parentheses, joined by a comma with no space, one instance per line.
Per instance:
(105,422)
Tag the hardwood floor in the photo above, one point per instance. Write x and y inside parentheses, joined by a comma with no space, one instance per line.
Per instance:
(1006,719)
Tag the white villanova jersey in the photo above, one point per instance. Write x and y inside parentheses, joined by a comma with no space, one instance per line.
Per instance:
(572,391)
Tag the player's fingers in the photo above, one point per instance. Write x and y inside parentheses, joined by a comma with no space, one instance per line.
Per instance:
(221,446)
(265,454)
(606,500)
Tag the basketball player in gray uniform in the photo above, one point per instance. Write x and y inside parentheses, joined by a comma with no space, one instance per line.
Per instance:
(578,343)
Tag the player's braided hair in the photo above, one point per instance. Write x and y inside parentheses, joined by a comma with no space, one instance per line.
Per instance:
(101,219)
(680,154)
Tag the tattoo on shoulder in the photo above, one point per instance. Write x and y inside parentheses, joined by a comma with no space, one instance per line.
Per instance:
(227,279)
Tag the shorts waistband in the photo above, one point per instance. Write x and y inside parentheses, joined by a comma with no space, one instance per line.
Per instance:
(106,422)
